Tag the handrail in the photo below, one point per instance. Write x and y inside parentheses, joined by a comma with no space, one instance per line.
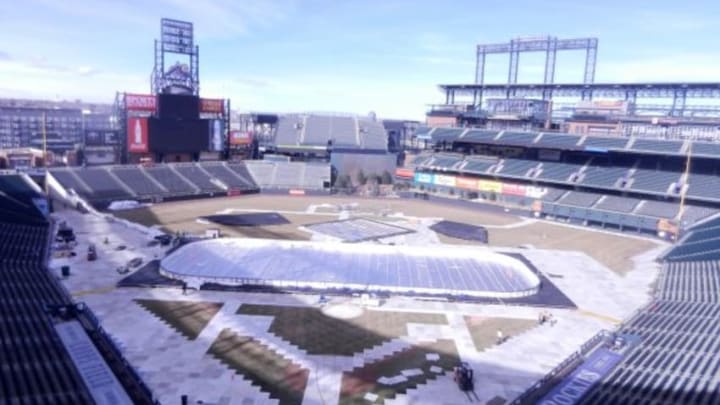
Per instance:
(581,352)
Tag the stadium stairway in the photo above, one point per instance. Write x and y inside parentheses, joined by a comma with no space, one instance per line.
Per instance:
(185,179)
(153,180)
(120,182)
(80,181)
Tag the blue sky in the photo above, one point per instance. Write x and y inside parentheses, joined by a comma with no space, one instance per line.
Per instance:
(347,56)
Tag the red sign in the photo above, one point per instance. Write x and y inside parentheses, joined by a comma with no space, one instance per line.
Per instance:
(295,191)
(212,105)
(140,102)
(467,183)
(137,135)
(513,189)
(404,173)
(240,138)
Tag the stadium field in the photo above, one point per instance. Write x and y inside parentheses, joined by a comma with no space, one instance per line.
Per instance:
(615,251)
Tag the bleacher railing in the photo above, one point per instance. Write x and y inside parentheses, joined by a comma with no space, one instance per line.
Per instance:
(544,383)
(101,339)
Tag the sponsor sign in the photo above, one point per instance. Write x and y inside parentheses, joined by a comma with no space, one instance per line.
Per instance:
(467,183)
(513,189)
(294,191)
(240,138)
(211,105)
(424,178)
(111,137)
(443,180)
(216,142)
(404,173)
(140,102)
(489,185)
(137,135)
(584,378)
(535,192)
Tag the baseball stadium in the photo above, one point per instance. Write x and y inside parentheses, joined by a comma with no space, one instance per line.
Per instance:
(508,250)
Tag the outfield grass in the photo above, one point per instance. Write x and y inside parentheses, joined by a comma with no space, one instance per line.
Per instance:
(311,330)
(187,317)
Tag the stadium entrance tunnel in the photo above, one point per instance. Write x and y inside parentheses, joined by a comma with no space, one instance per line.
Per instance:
(405,270)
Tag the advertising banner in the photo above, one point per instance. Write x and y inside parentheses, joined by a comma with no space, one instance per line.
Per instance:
(534,192)
(443,180)
(489,185)
(466,183)
(111,137)
(513,189)
(573,387)
(211,105)
(140,102)
(216,143)
(404,173)
(137,136)
(240,138)
(93,138)
(424,178)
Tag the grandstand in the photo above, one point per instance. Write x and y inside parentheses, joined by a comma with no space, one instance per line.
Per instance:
(676,358)
(316,132)
(104,184)
(39,364)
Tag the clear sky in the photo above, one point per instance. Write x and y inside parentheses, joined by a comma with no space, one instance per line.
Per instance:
(342,55)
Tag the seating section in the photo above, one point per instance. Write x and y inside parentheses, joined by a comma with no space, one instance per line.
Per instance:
(102,185)
(228,177)
(676,361)
(558,171)
(198,177)
(658,209)
(372,134)
(517,138)
(558,141)
(477,165)
(605,143)
(171,180)
(315,176)
(137,181)
(70,181)
(696,281)
(479,135)
(345,132)
(262,172)
(446,134)
(241,170)
(704,185)
(288,130)
(517,167)
(580,199)
(289,175)
(552,194)
(35,366)
(704,148)
(617,204)
(601,176)
(18,195)
(656,145)
(446,161)
(656,181)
